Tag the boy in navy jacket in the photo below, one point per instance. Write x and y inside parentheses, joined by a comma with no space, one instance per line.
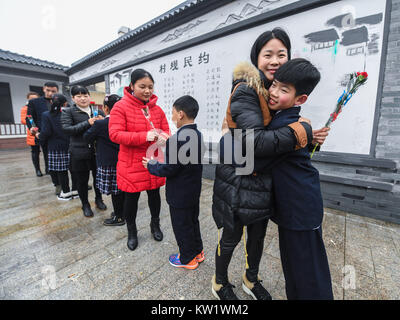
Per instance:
(296,185)
(183,170)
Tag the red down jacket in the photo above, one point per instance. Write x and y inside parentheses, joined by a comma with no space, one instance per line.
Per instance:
(128,127)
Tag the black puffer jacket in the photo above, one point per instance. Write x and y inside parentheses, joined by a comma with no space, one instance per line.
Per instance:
(75,123)
(254,202)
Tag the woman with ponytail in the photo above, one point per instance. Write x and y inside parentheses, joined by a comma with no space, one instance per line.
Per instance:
(58,144)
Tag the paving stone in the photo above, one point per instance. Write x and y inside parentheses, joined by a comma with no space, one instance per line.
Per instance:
(79,289)
(361,258)
(41,237)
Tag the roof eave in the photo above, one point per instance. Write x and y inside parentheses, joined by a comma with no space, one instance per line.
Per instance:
(183,13)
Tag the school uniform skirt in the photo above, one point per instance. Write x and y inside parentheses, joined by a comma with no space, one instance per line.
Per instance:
(106,180)
(58,160)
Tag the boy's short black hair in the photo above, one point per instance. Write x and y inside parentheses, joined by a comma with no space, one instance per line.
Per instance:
(75,90)
(187,104)
(51,85)
(300,73)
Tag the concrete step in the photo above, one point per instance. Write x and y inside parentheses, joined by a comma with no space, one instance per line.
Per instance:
(13,143)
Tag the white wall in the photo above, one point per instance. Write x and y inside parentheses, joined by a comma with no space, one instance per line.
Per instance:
(351,133)
(19,87)
(210,83)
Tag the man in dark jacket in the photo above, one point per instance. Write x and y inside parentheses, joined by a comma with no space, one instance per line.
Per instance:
(183,170)
(36,107)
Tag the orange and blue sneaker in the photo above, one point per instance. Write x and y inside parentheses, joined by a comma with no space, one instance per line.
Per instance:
(176,262)
(200,257)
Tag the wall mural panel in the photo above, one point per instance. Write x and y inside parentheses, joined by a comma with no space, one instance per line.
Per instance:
(211,21)
(339,38)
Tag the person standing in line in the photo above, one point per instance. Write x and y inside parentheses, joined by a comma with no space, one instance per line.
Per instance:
(107,158)
(75,121)
(30,138)
(74,179)
(58,143)
(183,182)
(136,124)
(36,108)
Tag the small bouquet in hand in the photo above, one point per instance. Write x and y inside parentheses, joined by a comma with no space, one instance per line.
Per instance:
(356,81)
(34,129)
(95,109)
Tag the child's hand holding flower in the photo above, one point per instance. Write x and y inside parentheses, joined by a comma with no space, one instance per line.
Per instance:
(319,136)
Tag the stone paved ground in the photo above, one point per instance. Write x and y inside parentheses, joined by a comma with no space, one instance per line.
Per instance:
(48,250)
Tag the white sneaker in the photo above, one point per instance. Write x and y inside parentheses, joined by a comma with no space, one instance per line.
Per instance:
(74,194)
(64,196)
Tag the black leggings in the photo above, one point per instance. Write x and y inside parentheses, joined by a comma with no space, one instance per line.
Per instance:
(35,150)
(118,204)
(131,206)
(230,239)
(63,179)
(82,179)
(74,180)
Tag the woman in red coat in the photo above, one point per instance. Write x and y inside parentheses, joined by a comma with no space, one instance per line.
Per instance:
(136,123)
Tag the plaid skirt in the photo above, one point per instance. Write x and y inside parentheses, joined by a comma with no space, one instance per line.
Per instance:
(106,180)
(58,160)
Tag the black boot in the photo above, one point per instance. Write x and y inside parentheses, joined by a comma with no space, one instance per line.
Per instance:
(87,210)
(100,204)
(156,231)
(132,237)
(35,161)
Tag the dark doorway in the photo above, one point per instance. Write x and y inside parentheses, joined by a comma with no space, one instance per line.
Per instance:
(6,109)
(38,90)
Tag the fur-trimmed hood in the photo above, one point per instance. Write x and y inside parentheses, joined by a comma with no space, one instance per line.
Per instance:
(248,73)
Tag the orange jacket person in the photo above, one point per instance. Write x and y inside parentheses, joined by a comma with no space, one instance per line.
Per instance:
(30,138)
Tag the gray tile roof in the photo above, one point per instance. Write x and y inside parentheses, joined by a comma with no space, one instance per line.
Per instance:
(178,9)
(15,57)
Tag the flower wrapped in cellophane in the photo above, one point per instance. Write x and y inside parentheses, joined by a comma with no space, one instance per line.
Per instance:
(357,79)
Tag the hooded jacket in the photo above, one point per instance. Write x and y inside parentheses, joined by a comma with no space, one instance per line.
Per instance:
(254,201)
(128,127)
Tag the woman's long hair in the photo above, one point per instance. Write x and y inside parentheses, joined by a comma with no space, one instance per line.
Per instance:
(110,100)
(140,74)
(58,101)
(264,38)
